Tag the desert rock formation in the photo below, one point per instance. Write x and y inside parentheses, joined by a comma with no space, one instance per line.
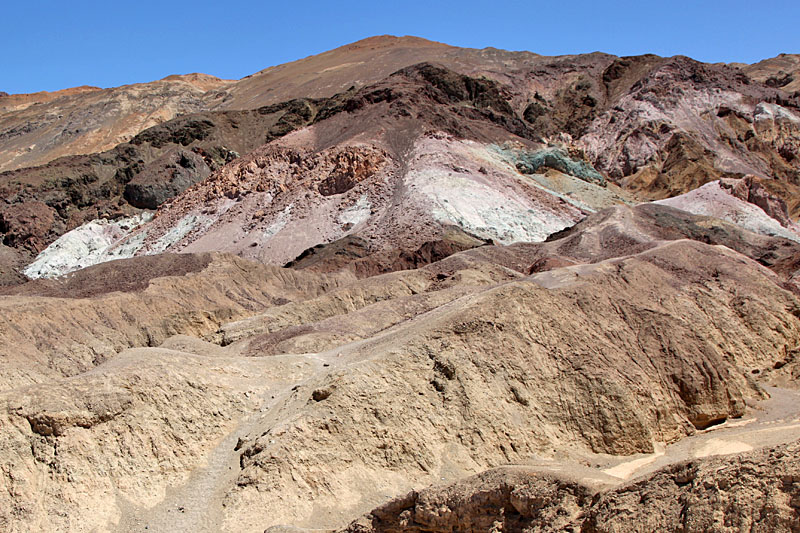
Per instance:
(757,491)
(297,382)
(435,288)
(38,128)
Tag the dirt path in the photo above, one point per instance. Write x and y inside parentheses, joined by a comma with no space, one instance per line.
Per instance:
(197,505)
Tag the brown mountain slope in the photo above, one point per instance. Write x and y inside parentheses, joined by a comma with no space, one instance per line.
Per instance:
(17,102)
(558,80)
(658,127)
(426,140)
(364,63)
(397,164)
(425,149)
(782,71)
(549,337)
(154,166)
(466,407)
(68,326)
(38,128)
(683,123)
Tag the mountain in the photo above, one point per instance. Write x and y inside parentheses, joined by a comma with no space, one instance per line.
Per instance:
(589,121)
(363,63)
(782,71)
(38,128)
(404,286)
(655,127)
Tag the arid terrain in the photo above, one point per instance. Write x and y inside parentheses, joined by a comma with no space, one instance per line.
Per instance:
(404,286)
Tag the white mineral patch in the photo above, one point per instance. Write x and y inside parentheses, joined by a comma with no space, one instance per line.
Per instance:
(356,213)
(180,230)
(471,185)
(712,200)
(279,223)
(767,111)
(127,247)
(485,211)
(87,245)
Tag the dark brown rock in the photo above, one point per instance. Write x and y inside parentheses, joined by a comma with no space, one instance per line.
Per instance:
(27,225)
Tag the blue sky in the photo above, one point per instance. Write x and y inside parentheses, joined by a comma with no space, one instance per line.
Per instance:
(47,45)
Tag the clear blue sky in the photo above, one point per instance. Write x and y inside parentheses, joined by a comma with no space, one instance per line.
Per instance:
(48,45)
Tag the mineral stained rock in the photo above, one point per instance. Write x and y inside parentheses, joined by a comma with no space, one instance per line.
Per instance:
(436,288)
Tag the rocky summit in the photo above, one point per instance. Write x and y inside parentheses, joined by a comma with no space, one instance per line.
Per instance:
(405,286)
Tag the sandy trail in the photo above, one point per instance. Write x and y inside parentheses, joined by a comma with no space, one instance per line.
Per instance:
(197,505)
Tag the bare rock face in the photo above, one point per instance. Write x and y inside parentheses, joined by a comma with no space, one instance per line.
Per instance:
(312,398)
(350,167)
(657,127)
(471,298)
(505,499)
(354,254)
(782,71)
(165,178)
(38,128)
(363,63)
(104,300)
(149,419)
(755,491)
(395,183)
(11,262)
(156,165)
(751,189)
(555,380)
(684,123)
(28,225)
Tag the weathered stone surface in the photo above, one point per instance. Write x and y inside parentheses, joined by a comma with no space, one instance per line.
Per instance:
(319,397)
(28,225)
(165,178)
(754,492)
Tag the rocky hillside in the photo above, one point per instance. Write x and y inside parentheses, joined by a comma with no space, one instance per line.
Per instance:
(311,398)
(569,135)
(755,492)
(40,127)
(435,288)
(782,71)
(154,166)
